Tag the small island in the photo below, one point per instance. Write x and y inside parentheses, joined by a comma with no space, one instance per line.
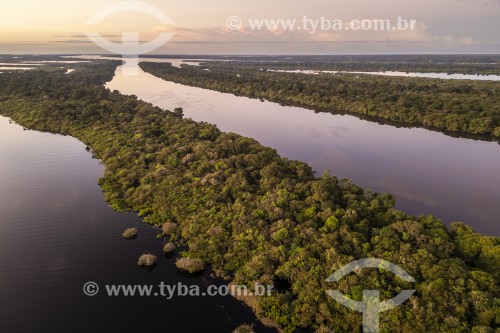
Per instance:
(169,247)
(130,233)
(147,260)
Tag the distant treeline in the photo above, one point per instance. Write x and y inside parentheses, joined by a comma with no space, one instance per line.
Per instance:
(458,107)
(433,63)
(258,217)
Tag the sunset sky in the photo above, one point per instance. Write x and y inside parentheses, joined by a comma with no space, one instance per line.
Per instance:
(443,26)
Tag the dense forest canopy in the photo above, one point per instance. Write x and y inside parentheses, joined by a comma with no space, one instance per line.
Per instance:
(457,107)
(435,63)
(257,217)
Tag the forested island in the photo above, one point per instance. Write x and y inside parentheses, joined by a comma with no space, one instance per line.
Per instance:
(456,107)
(257,217)
(476,64)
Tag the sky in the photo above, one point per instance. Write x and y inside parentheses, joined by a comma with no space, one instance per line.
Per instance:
(232,27)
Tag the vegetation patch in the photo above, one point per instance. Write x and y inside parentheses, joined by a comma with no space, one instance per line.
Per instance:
(147,260)
(130,233)
(191,265)
(244,329)
(169,247)
(259,218)
(169,228)
(457,107)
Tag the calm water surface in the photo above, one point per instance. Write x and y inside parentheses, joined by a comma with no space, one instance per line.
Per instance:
(444,76)
(429,172)
(57,232)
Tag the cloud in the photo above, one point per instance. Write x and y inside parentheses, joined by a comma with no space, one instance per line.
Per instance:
(85,36)
(420,33)
(485,2)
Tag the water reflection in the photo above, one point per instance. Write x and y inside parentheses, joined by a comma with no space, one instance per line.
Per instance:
(57,233)
(444,76)
(455,179)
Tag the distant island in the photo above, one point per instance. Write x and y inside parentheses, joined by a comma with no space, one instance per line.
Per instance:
(457,107)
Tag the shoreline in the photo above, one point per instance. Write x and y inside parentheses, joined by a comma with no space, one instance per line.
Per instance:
(251,213)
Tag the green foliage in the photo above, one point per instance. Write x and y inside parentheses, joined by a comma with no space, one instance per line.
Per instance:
(331,224)
(258,217)
(483,252)
(457,107)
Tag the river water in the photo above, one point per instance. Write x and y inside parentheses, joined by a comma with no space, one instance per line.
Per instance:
(443,76)
(455,179)
(57,233)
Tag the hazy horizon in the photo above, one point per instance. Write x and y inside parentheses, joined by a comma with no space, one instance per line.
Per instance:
(444,27)
(152,54)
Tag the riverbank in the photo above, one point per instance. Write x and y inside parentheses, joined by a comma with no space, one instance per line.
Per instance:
(465,108)
(428,172)
(257,216)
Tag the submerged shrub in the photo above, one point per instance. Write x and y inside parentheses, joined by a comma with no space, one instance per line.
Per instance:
(130,233)
(244,329)
(192,265)
(169,247)
(147,260)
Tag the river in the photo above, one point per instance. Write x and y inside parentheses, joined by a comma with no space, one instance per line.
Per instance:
(57,233)
(443,76)
(455,179)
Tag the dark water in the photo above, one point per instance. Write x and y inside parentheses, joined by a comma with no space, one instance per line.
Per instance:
(430,173)
(57,232)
